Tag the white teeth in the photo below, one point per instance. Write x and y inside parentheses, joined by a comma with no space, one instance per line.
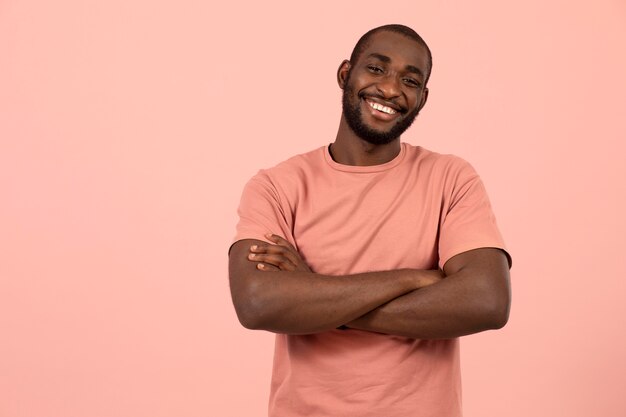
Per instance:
(382,108)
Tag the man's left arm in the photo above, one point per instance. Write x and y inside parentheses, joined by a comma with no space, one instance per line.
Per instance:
(474,296)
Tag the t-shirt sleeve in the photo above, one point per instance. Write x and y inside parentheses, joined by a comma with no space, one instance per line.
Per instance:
(261,211)
(468,221)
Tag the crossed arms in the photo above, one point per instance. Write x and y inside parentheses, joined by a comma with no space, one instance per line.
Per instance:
(273,289)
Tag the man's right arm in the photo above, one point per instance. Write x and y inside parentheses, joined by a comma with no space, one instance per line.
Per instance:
(301,302)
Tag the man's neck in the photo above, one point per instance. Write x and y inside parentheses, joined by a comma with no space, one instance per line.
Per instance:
(350,149)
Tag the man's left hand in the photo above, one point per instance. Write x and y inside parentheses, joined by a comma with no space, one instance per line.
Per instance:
(280,256)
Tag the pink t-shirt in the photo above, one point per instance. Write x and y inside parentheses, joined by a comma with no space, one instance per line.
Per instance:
(415,211)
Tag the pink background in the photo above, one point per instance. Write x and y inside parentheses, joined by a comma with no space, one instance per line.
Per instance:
(128,129)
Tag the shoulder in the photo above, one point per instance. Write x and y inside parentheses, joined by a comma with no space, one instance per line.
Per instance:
(294,165)
(443,166)
(286,176)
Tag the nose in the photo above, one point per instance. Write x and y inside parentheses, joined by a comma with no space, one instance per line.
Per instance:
(389,86)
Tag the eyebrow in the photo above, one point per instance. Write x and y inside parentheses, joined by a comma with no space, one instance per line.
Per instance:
(386,59)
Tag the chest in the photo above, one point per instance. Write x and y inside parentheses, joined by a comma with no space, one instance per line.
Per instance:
(366,223)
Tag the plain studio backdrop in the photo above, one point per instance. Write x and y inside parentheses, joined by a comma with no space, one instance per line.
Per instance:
(128,129)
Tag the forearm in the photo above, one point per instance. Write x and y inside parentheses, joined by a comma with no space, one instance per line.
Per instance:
(442,311)
(467,301)
(305,302)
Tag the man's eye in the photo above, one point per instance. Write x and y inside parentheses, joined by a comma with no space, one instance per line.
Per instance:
(375,69)
(412,82)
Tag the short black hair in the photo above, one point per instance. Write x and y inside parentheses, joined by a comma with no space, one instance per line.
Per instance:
(396,28)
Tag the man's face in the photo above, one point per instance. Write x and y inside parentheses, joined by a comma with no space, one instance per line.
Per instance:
(384,90)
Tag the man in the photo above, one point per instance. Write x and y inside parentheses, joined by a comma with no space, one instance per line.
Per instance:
(370,257)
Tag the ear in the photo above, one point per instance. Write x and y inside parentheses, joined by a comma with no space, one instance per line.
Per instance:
(424,98)
(342,73)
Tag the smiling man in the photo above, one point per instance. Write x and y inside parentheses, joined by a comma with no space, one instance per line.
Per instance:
(369,257)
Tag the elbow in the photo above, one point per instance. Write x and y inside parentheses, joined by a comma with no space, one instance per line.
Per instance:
(497,312)
(248,321)
(249,307)
(499,320)
(246,316)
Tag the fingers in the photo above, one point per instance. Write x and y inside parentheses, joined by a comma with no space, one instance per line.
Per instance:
(267,267)
(269,249)
(280,254)
(277,260)
(278,249)
(279,240)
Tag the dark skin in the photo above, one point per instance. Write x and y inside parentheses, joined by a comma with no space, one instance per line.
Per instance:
(274,289)
(394,83)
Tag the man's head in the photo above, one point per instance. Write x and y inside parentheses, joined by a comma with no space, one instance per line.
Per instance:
(384,83)
(399,29)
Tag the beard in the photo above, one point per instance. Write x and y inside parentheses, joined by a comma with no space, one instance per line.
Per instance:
(354,118)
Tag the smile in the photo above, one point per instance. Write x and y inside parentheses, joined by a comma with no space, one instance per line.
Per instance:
(380,107)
